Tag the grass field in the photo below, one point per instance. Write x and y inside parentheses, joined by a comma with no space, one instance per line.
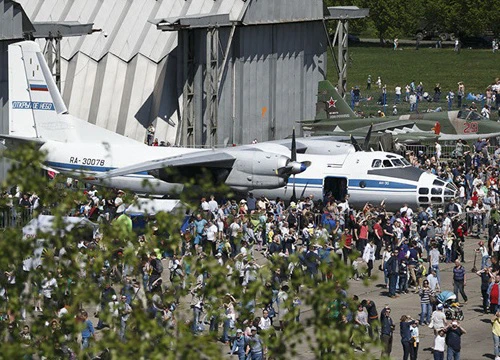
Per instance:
(476,68)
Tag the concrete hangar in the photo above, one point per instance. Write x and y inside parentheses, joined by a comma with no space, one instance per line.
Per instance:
(203,72)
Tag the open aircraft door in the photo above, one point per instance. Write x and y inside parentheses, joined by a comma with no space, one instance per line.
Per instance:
(335,186)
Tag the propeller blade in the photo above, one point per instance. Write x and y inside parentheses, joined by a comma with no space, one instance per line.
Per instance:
(293,156)
(294,195)
(366,144)
(355,144)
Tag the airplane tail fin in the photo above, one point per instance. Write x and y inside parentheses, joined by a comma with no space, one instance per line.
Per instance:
(330,104)
(36,107)
(33,95)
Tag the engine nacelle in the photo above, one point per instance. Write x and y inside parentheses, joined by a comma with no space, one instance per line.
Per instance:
(257,170)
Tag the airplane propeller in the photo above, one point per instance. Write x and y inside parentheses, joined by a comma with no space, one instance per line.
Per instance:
(366,143)
(293,167)
(354,143)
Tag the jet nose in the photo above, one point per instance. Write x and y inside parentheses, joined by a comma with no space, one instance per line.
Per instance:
(435,191)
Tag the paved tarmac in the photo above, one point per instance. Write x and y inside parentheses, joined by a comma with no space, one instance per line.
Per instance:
(476,344)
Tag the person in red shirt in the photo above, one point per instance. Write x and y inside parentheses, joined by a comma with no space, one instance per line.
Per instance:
(378,233)
(346,245)
(474,198)
(494,294)
(363,235)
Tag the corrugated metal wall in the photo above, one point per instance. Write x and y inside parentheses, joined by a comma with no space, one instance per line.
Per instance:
(270,82)
(279,11)
(127,76)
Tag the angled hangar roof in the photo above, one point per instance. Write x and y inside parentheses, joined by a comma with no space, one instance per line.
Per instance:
(121,78)
(126,27)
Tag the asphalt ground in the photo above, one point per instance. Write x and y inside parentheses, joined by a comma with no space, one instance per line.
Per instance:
(476,344)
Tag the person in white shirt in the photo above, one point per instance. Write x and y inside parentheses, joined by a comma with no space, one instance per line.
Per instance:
(438,319)
(408,210)
(447,225)
(483,251)
(213,205)
(495,244)
(114,311)
(344,206)
(369,256)
(415,335)
(439,345)
(211,231)
(265,321)
(434,256)
(485,111)
(433,281)
(49,284)
(204,205)
(397,90)
(461,194)
(438,150)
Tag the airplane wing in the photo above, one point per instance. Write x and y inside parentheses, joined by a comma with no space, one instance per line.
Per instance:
(244,167)
(12,141)
(209,158)
(378,125)
(417,137)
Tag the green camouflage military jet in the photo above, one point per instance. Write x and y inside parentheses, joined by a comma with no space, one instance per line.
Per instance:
(335,117)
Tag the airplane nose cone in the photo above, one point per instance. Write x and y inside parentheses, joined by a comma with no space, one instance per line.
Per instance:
(435,191)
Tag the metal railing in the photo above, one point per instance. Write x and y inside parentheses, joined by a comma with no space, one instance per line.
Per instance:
(447,151)
(15,217)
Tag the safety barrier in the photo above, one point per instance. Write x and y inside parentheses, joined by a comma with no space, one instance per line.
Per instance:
(447,151)
(477,222)
(12,217)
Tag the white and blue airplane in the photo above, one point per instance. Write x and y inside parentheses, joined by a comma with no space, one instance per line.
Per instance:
(315,167)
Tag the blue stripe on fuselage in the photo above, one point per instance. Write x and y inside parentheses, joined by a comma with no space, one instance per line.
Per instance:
(73,167)
(380,184)
(371,184)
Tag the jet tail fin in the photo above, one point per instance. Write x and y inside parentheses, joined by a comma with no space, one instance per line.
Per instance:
(33,94)
(330,104)
(36,107)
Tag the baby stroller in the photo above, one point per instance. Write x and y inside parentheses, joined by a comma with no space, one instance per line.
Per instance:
(451,307)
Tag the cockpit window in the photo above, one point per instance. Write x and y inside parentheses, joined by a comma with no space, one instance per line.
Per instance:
(397,162)
(474,116)
(469,115)
(387,163)
(406,162)
(376,163)
(438,182)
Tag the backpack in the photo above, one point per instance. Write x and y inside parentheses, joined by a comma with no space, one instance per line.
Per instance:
(158,266)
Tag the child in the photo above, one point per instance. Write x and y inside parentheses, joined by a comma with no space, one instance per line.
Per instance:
(415,340)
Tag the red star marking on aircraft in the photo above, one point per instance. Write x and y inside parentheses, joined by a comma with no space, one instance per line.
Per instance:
(331,102)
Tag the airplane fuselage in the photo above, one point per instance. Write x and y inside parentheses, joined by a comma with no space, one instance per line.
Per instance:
(361,175)
(354,174)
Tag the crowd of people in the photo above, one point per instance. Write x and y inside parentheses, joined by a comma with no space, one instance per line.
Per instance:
(414,93)
(307,237)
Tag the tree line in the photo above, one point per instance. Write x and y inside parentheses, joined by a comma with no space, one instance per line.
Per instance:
(393,18)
